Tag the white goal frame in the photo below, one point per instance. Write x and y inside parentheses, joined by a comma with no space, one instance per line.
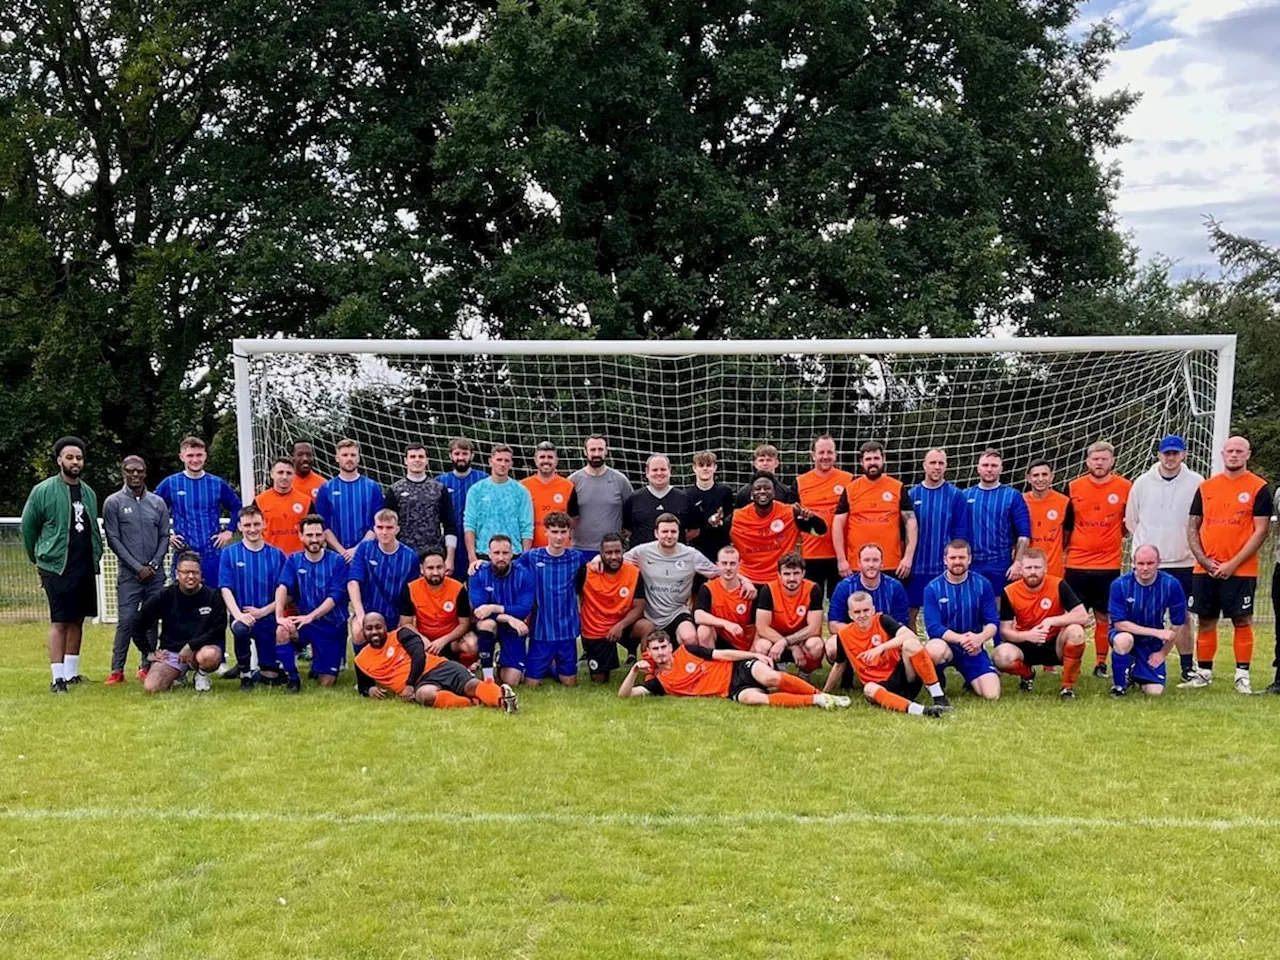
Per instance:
(243,350)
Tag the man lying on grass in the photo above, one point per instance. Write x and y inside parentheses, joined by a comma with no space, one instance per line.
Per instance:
(696,671)
(397,663)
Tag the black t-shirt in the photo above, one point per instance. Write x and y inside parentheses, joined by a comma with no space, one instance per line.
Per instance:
(703,505)
(642,509)
(197,619)
(79,536)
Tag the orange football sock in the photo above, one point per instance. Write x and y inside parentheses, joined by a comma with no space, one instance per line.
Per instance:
(1072,653)
(1101,646)
(489,693)
(1019,669)
(791,699)
(1242,641)
(890,701)
(788,683)
(451,701)
(1207,646)
(924,667)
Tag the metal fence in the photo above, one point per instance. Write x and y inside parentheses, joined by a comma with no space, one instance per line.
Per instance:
(22,599)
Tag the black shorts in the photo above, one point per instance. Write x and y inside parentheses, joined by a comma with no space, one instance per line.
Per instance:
(71,598)
(899,683)
(601,655)
(1093,587)
(1184,577)
(450,676)
(1040,654)
(825,573)
(671,627)
(741,679)
(1211,598)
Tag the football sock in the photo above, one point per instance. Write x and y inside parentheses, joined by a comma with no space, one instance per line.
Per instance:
(71,661)
(1072,654)
(287,657)
(489,693)
(486,640)
(1242,642)
(1206,647)
(1187,660)
(1019,669)
(926,671)
(891,701)
(792,684)
(1101,645)
(1120,664)
(791,700)
(451,701)
(57,670)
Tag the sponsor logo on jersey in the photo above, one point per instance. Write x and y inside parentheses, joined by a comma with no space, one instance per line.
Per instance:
(944,599)
(182,493)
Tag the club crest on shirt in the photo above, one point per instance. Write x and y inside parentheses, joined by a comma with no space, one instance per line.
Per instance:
(182,493)
(297,508)
(1243,496)
(690,667)
(239,563)
(558,498)
(1045,603)
(777,526)
(887,496)
(624,592)
(740,608)
(390,653)
(679,564)
(944,599)
(1113,498)
(839,488)
(1052,514)
(127,510)
(448,606)
(876,639)
(801,610)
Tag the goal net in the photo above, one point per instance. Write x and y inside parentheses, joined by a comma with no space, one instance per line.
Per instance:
(1029,399)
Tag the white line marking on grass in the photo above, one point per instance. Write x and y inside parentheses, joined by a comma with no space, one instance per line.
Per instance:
(752,818)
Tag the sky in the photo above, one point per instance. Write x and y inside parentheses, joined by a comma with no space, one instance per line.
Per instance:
(1205,137)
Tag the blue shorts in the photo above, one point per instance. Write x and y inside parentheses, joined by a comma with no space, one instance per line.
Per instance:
(915,588)
(1141,671)
(262,632)
(995,576)
(513,649)
(328,647)
(542,653)
(971,665)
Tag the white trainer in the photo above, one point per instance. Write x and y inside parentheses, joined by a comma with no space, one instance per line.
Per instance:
(1243,685)
(843,702)
(1199,678)
(203,682)
(826,701)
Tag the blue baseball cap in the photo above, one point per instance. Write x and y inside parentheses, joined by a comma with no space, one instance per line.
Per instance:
(1172,443)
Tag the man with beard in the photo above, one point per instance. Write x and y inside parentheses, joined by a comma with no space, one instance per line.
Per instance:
(788,617)
(305,478)
(314,580)
(820,490)
(397,662)
(710,507)
(960,616)
(137,527)
(61,537)
(942,515)
(459,482)
(192,622)
(765,530)
(611,600)
(502,593)
(602,493)
(875,509)
(424,506)
(657,497)
(766,459)
(1042,624)
(283,505)
(498,505)
(550,492)
(439,608)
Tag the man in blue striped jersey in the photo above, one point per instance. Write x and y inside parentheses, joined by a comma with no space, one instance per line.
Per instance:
(314,580)
(960,616)
(553,641)
(348,502)
(196,500)
(459,482)
(248,574)
(502,596)
(1140,641)
(942,515)
(380,570)
(999,524)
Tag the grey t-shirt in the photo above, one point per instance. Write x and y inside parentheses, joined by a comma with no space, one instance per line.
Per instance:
(668,579)
(600,501)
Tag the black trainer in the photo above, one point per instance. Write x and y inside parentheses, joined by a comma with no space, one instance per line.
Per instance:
(58,686)
(293,685)
(246,683)
(935,711)
(1274,688)
(233,673)
(1026,684)
(1118,692)
(1100,671)
(78,678)
(1067,693)
(942,702)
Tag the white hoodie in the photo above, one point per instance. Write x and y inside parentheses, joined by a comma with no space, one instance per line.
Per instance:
(1157,513)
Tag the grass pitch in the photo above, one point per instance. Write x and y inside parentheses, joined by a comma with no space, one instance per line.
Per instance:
(324,825)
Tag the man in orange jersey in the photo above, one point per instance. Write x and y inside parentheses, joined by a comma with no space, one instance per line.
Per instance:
(889,659)
(820,491)
(696,671)
(1229,519)
(1042,624)
(550,492)
(1098,501)
(439,608)
(305,479)
(765,530)
(283,506)
(610,602)
(1052,517)
(722,610)
(397,663)
(875,508)
(788,617)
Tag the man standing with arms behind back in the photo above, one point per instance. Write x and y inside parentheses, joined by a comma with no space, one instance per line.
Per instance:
(60,535)
(459,482)
(137,525)
(1157,512)
(550,492)
(602,492)
(424,507)
(820,491)
(305,478)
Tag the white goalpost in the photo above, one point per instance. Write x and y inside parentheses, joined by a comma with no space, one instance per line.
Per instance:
(1034,397)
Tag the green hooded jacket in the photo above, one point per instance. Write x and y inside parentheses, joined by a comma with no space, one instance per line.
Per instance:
(46,524)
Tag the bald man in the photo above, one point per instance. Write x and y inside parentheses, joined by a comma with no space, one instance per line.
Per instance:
(1145,610)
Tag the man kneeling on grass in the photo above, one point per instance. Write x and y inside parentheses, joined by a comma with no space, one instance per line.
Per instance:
(193,628)
(397,663)
(697,671)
